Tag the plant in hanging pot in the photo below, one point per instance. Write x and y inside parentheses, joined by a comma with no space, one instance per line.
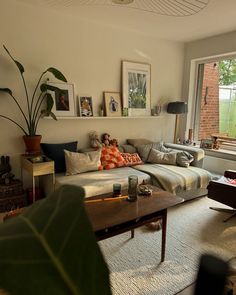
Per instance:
(37,106)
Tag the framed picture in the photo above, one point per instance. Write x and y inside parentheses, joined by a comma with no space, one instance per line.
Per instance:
(112,103)
(63,97)
(206,143)
(85,106)
(136,88)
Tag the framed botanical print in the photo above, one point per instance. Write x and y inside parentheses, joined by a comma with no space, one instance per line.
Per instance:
(85,106)
(63,97)
(136,88)
(112,103)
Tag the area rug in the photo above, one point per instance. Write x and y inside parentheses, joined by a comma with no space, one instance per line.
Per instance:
(192,229)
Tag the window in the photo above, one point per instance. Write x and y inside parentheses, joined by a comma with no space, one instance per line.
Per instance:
(215,107)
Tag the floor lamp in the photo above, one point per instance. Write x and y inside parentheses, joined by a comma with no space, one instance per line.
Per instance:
(177,108)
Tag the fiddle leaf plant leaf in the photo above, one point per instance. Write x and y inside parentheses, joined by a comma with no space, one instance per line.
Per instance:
(6,90)
(57,74)
(51,248)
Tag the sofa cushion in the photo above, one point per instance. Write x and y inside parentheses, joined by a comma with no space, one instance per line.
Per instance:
(131,159)
(111,158)
(82,162)
(184,159)
(55,151)
(100,182)
(197,153)
(138,141)
(145,149)
(127,148)
(159,157)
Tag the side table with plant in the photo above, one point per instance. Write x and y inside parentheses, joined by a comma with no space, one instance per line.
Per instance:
(38,105)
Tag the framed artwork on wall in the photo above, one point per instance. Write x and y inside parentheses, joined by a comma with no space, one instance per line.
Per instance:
(63,97)
(136,88)
(85,106)
(112,103)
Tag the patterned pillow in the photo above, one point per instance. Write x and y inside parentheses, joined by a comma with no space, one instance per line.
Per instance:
(111,158)
(131,159)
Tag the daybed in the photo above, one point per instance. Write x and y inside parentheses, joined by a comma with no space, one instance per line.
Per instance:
(173,178)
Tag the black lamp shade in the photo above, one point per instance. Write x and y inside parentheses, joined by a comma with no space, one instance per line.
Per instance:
(177,107)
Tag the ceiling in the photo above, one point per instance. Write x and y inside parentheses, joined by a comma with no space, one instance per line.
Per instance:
(153,17)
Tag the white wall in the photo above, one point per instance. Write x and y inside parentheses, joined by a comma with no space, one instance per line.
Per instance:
(90,57)
(218,165)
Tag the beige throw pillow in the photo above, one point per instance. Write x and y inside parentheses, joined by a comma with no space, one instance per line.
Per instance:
(144,149)
(158,157)
(82,162)
(184,159)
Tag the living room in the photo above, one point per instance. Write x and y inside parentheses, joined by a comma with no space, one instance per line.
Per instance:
(88,43)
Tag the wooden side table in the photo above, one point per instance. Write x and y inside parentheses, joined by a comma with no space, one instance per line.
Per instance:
(38,168)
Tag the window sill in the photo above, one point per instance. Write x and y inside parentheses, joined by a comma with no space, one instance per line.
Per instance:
(221,153)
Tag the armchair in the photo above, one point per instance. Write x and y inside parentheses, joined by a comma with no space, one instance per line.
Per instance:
(223,190)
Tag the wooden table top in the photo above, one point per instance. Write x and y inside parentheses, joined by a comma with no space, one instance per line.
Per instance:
(106,213)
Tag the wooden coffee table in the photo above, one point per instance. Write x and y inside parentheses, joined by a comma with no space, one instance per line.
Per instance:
(113,216)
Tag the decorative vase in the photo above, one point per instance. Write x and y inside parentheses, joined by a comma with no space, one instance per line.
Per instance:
(32,144)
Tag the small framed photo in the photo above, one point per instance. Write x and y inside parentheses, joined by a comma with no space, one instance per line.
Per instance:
(206,143)
(85,106)
(63,96)
(112,103)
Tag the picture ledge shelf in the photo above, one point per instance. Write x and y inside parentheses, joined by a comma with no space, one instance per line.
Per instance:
(102,118)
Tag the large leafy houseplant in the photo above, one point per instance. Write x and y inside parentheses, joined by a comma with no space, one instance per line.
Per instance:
(39,104)
(51,249)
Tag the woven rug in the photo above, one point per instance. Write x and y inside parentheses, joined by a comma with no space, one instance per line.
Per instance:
(192,229)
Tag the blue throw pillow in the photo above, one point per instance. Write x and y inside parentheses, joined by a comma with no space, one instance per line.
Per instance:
(55,151)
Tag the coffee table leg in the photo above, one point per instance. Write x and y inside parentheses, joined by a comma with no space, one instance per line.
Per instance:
(163,242)
(132,233)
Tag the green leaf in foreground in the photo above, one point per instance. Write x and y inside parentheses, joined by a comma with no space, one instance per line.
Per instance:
(51,249)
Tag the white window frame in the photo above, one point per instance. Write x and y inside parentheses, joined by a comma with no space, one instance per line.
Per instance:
(192,120)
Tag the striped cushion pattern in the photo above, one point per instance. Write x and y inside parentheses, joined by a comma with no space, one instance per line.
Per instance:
(176,179)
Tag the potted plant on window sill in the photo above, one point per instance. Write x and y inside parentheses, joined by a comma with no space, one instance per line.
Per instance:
(38,105)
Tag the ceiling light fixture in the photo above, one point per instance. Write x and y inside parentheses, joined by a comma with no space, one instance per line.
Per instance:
(177,8)
(122,2)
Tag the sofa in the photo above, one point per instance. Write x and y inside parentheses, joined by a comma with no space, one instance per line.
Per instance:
(173,177)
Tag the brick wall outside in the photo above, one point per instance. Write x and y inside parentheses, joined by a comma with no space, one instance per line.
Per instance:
(209,117)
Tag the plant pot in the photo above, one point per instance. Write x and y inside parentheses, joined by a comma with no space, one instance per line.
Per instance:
(32,144)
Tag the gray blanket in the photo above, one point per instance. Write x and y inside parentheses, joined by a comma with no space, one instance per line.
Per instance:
(176,179)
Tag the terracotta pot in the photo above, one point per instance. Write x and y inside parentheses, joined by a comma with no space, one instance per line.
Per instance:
(32,144)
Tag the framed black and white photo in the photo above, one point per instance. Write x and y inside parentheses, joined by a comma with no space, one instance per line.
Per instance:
(63,97)
(85,106)
(112,103)
(136,88)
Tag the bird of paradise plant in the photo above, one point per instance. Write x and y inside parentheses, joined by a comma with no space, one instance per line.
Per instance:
(36,106)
